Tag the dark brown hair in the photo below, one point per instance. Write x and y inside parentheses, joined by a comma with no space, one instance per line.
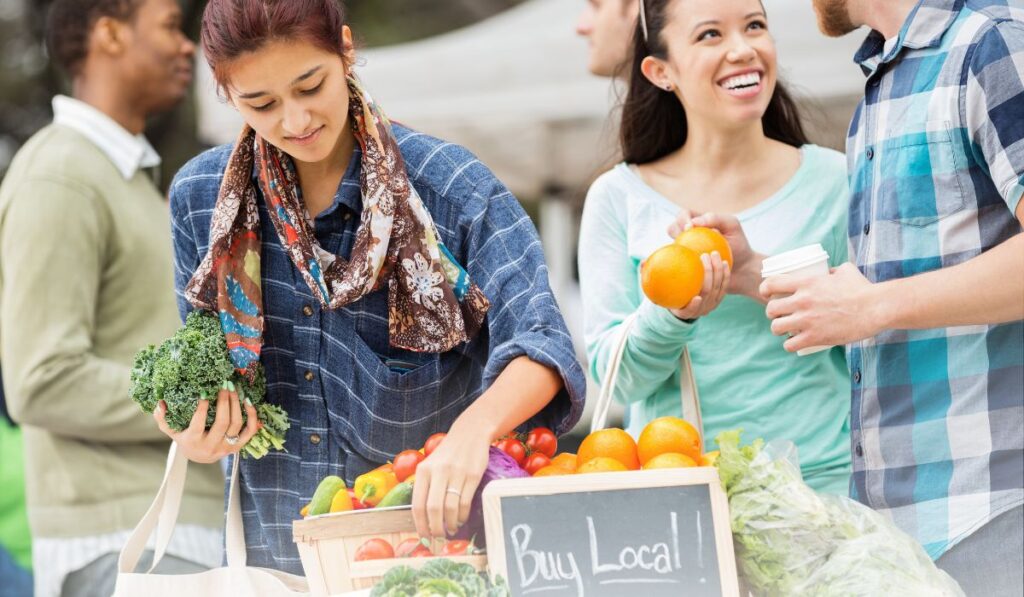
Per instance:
(69,24)
(654,121)
(234,27)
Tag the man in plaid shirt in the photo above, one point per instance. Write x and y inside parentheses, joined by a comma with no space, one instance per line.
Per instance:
(932,310)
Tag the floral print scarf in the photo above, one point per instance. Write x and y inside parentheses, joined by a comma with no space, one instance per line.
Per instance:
(432,304)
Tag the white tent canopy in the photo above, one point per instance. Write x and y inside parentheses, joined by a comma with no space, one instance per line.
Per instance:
(515,90)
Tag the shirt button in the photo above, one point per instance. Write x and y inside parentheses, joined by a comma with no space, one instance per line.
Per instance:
(871,153)
(308,375)
(307,311)
(867,229)
(347,216)
(856,376)
(314,439)
(859,450)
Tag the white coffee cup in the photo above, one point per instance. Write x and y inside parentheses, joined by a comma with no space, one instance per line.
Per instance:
(804,262)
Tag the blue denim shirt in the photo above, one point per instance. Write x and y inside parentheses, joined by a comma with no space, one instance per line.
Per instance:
(353,400)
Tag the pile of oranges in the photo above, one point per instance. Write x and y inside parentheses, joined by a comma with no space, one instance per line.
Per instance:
(667,442)
(674,274)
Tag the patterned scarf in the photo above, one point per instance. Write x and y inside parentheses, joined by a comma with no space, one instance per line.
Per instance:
(432,304)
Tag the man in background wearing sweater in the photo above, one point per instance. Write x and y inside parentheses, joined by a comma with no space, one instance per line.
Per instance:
(85,281)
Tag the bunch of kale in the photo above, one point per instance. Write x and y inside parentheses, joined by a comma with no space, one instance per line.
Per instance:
(194,365)
(440,577)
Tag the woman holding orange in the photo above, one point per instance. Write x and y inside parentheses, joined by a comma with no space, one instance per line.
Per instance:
(706,127)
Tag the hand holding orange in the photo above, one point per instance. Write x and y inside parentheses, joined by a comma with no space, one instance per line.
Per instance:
(702,240)
(672,276)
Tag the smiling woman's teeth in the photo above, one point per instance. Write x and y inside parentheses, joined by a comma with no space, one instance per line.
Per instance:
(747,80)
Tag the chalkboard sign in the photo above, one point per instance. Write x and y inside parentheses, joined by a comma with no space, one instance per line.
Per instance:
(663,532)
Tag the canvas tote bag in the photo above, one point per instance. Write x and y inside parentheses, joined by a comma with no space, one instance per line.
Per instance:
(687,383)
(235,580)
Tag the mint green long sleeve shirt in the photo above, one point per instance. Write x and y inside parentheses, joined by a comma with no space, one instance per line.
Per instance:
(744,376)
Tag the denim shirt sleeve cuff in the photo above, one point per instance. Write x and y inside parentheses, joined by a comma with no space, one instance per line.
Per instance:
(565,409)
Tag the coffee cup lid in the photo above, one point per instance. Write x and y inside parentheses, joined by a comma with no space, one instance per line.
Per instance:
(791,260)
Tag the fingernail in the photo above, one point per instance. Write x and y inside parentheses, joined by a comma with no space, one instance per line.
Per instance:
(231,386)
(705,259)
(249,402)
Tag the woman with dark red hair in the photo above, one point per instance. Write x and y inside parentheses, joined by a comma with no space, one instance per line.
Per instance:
(387,281)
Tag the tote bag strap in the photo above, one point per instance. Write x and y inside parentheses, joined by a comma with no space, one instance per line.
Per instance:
(163,517)
(687,382)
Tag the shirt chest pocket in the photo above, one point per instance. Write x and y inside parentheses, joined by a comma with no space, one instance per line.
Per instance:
(922,175)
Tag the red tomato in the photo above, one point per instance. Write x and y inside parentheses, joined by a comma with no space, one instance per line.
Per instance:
(406,463)
(422,554)
(432,443)
(543,440)
(375,549)
(513,448)
(356,504)
(456,547)
(412,548)
(535,462)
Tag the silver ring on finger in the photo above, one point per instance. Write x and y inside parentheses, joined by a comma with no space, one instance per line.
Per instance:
(232,440)
(455,491)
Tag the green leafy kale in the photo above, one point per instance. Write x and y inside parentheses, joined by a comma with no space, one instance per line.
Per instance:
(440,577)
(193,365)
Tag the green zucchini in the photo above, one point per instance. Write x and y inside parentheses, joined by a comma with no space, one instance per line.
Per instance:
(400,495)
(321,502)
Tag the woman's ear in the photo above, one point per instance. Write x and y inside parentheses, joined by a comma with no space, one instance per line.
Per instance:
(656,71)
(348,49)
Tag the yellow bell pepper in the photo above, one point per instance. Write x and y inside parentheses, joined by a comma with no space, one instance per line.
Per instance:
(371,487)
(342,501)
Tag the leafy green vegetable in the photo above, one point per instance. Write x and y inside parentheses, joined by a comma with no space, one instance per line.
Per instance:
(790,540)
(440,577)
(194,365)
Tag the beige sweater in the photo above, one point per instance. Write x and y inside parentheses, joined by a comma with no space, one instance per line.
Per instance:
(86,279)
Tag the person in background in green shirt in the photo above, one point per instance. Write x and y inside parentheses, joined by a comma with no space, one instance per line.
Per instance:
(15,539)
(86,280)
(706,127)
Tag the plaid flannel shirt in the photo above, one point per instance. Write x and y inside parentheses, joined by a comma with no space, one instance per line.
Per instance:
(352,399)
(936,157)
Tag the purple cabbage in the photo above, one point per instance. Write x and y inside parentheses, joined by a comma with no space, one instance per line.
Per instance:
(499,466)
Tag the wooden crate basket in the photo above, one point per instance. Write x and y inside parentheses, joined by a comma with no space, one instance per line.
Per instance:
(328,543)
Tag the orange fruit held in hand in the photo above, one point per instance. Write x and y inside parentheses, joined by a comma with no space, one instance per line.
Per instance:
(668,434)
(601,464)
(609,443)
(702,240)
(672,276)
(565,460)
(670,460)
(709,458)
(554,471)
